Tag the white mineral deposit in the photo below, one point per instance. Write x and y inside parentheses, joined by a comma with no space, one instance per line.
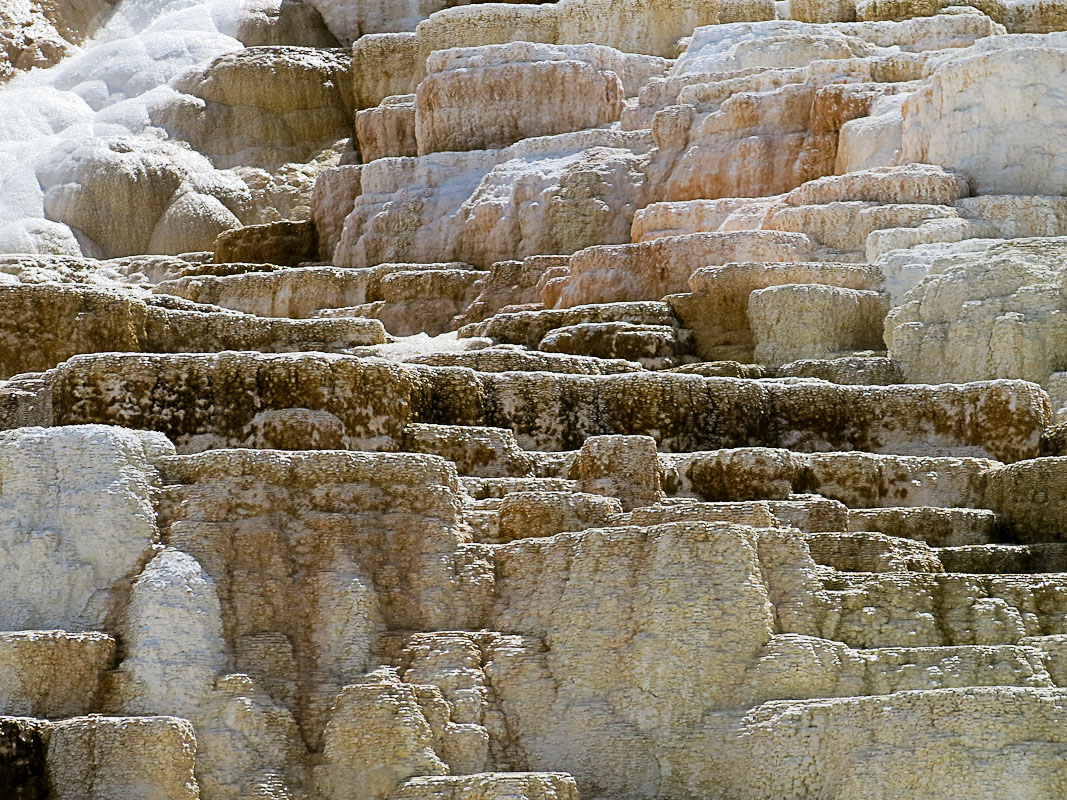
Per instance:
(600,399)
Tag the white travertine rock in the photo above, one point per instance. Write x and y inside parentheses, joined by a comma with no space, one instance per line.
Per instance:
(489,97)
(282,22)
(987,115)
(385,65)
(652,346)
(554,194)
(658,220)
(630,26)
(632,69)
(1029,497)
(624,650)
(564,459)
(223,393)
(128,197)
(175,662)
(898,731)
(859,480)
(261,106)
(298,293)
(993,311)
(378,736)
(528,327)
(478,451)
(526,514)
(779,43)
(350,20)
(76,522)
(178,670)
(913,183)
(795,321)
(425,300)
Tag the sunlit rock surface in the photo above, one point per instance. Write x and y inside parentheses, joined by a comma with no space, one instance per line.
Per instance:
(603,399)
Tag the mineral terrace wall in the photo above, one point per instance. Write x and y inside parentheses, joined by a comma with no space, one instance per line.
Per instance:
(614,399)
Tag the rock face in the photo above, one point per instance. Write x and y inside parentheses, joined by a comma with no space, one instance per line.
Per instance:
(262,106)
(572,88)
(39,34)
(456,400)
(548,195)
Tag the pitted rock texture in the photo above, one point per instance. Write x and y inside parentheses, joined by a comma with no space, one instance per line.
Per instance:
(603,399)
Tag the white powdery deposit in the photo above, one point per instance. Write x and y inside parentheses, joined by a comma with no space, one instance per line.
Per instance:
(76,521)
(97,100)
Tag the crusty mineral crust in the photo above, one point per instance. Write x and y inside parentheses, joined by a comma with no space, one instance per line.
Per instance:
(603,399)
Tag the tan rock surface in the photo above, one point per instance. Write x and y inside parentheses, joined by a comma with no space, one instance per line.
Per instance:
(262,106)
(388,129)
(39,34)
(572,88)
(47,324)
(796,321)
(670,406)
(652,270)
(474,206)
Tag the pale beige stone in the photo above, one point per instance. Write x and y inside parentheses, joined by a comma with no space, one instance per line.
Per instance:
(903,747)
(388,129)
(109,758)
(985,314)
(717,308)
(533,90)
(332,198)
(493,786)
(78,515)
(962,117)
(124,194)
(477,207)
(651,270)
(261,106)
(796,321)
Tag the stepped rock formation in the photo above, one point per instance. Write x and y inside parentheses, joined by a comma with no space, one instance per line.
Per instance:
(600,399)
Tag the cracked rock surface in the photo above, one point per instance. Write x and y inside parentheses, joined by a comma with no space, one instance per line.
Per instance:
(600,399)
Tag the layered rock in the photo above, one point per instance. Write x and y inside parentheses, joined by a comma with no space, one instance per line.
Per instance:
(45,325)
(649,400)
(580,189)
(261,106)
(572,88)
(988,312)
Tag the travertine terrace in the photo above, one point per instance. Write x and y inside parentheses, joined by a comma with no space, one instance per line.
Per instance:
(600,399)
